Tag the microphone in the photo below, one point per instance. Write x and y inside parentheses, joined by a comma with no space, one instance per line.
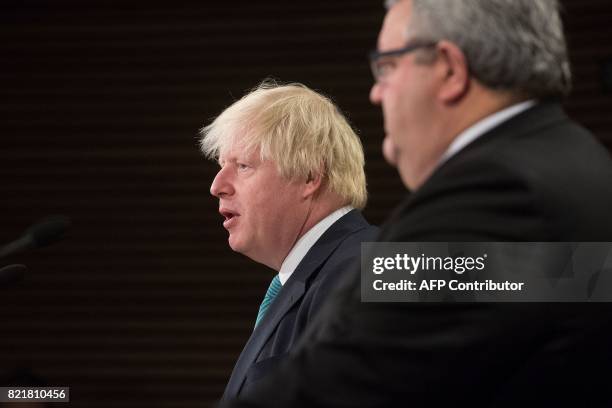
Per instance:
(12,274)
(46,232)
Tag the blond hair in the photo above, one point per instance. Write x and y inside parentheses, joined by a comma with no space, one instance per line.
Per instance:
(300,130)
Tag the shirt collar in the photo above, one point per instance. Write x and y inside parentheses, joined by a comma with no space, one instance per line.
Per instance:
(306,241)
(483,126)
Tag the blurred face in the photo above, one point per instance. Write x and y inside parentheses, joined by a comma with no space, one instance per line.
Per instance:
(263,212)
(406,93)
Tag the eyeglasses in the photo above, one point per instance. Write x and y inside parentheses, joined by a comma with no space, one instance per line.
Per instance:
(382,65)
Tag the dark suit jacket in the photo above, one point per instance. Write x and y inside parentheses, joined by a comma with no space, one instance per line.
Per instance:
(299,300)
(536,177)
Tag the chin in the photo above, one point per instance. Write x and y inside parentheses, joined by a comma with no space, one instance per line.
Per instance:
(390,152)
(235,244)
(389,159)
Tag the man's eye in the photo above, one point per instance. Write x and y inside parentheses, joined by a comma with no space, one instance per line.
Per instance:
(242,166)
(385,67)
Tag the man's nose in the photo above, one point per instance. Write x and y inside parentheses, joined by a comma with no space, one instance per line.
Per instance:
(221,185)
(375,94)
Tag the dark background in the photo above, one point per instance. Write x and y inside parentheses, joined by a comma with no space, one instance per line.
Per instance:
(144,305)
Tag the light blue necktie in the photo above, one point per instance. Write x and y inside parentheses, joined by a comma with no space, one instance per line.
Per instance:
(273,289)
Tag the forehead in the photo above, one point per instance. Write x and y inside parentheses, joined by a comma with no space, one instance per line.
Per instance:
(238,148)
(393,32)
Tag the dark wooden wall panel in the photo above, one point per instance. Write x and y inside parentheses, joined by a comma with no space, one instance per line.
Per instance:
(143,304)
(589,29)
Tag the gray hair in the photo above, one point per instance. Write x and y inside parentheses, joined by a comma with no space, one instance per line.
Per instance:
(515,45)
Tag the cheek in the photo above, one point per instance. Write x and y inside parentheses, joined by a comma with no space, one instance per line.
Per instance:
(284,207)
(393,108)
(262,209)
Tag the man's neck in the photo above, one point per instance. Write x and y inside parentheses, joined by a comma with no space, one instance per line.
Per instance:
(480,103)
(320,207)
(307,241)
(453,119)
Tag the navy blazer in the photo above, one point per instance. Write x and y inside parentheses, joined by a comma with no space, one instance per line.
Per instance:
(336,251)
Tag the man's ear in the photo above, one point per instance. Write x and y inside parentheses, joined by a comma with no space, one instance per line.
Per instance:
(312,185)
(454,71)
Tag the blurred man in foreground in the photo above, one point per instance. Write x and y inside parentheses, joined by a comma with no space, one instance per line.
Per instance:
(290,188)
(470,94)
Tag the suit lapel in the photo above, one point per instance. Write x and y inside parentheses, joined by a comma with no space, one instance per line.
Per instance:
(292,291)
(289,294)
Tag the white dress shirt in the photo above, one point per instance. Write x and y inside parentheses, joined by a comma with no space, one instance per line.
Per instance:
(306,241)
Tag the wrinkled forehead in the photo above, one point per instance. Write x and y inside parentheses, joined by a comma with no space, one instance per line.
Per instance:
(238,143)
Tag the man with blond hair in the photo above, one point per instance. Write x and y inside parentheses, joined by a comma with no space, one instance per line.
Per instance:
(290,188)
